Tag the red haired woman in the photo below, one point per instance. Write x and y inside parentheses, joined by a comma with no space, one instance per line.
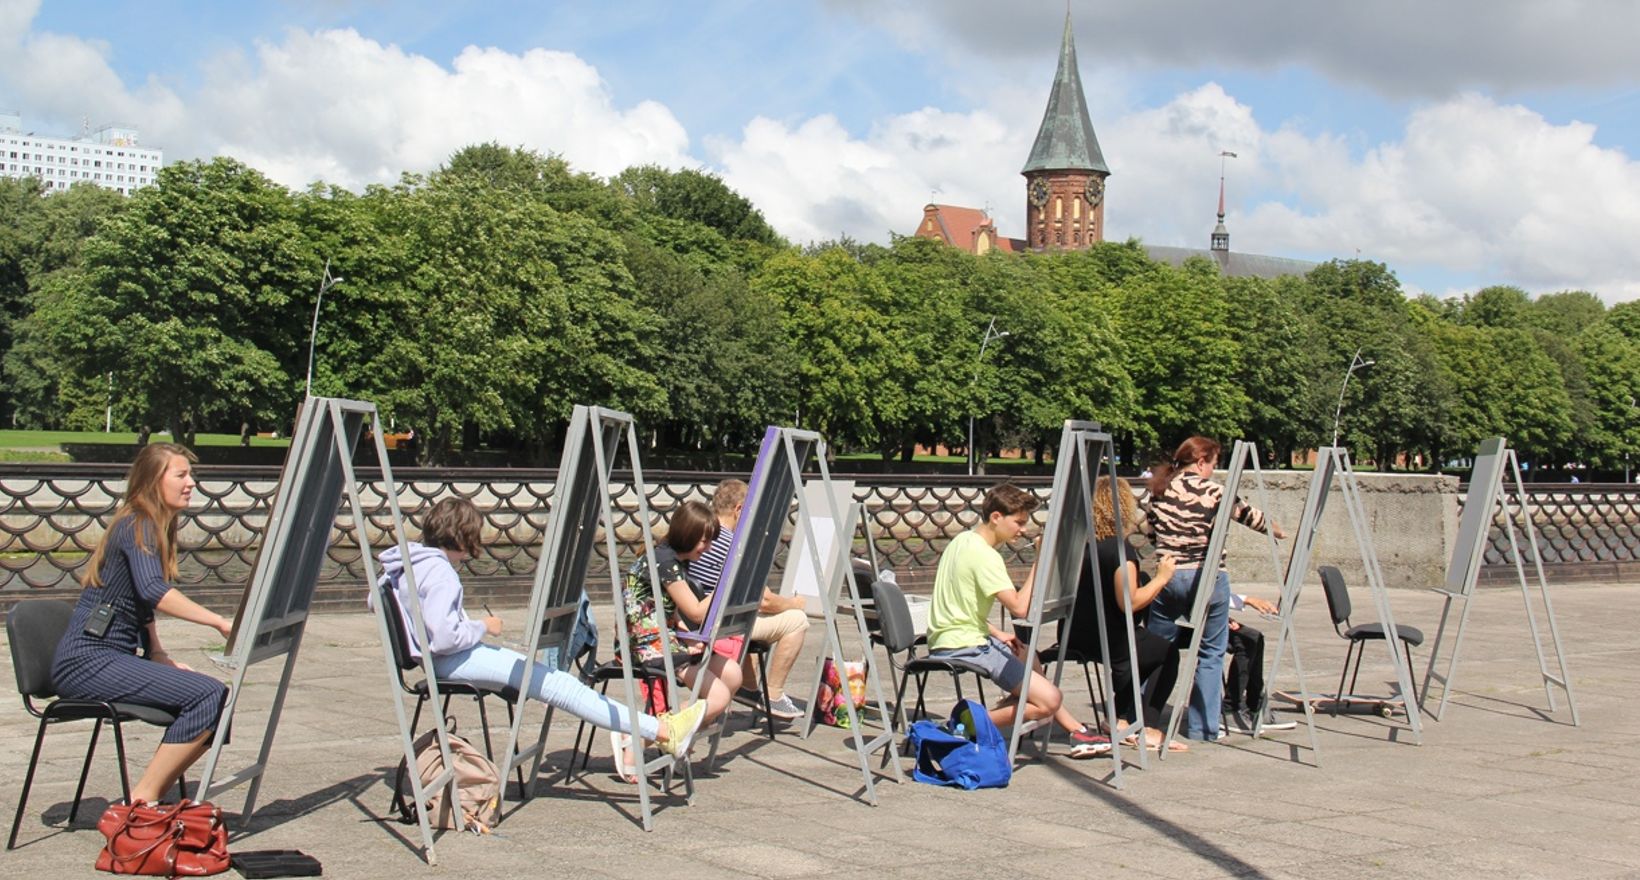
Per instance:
(1183,503)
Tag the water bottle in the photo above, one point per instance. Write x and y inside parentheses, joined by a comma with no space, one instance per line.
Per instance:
(961,732)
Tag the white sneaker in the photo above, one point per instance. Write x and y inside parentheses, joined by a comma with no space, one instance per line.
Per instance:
(1272,723)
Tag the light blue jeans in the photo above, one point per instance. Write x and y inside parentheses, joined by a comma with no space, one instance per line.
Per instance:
(1173,602)
(495,667)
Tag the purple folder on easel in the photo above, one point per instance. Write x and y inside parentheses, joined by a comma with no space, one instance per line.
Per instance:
(766,455)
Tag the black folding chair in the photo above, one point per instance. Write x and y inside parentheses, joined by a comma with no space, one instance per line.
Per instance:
(34,627)
(1338,606)
(898,637)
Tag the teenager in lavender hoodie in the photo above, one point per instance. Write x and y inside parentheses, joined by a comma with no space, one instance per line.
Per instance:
(449,535)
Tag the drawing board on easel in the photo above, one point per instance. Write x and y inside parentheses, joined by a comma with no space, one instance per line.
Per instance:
(1492,502)
(1086,455)
(273,613)
(581,495)
(1243,457)
(798,577)
(1333,466)
(777,480)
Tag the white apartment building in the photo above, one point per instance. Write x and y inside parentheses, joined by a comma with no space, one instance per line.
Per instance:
(108,157)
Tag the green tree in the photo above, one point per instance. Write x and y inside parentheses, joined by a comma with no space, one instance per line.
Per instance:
(1395,405)
(511,312)
(696,196)
(186,299)
(1276,337)
(844,377)
(1612,364)
(1565,314)
(1497,306)
(1182,355)
(725,369)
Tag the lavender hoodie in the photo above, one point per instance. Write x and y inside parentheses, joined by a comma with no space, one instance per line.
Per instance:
(446,626)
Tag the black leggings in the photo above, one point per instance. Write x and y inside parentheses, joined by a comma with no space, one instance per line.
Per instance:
(1157,657)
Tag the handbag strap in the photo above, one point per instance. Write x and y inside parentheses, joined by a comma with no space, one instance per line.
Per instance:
(145,815)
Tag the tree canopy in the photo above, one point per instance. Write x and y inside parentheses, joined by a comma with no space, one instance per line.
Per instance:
(480,302)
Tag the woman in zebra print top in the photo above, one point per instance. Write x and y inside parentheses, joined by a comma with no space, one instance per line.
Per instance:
(1183,504)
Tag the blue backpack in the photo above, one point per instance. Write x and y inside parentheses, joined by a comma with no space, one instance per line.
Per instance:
(967,751)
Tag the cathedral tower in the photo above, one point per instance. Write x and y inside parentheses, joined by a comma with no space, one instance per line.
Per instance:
(1065,174)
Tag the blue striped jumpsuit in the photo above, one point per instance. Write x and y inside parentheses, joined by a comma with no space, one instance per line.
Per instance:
(109,668)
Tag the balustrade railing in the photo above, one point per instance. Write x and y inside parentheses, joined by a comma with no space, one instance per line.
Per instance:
(52,515)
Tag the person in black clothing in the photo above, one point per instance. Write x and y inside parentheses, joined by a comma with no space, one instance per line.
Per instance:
(1156,656)
(126,581)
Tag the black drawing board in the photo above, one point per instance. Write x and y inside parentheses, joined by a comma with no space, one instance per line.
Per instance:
(757,540)
(1479,505)
(304,512)
(572,533)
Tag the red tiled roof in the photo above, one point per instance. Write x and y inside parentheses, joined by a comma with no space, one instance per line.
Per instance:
(959,224)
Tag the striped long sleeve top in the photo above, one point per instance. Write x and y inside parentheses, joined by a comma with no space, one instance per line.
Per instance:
(1181,518)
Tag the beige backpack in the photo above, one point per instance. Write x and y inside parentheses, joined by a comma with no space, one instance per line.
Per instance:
(478,782)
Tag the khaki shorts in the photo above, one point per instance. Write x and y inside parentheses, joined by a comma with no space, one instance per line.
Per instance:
(771,628)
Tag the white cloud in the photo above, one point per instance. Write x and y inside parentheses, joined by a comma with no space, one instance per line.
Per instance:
(1473,187)
(815,181)
(1469,188)
(338,106)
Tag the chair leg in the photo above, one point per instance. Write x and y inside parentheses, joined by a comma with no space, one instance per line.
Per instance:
(398,775)
(1342,675)
(1411,676)
(763,679)
(28,781)
(922,686)
(1360,655)
(484,722)
(85,770)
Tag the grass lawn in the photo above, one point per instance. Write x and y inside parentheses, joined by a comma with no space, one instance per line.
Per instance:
(49,440)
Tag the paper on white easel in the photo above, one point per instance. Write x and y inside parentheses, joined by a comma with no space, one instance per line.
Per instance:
(798,578)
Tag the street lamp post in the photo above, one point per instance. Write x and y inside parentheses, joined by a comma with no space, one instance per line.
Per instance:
(313,333)
(1356,363)
(991,333)
(1627,471)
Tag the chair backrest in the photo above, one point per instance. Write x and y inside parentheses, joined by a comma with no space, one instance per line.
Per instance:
(894,617)
(1338,595)
(865,579)
(34,627)
(397,638)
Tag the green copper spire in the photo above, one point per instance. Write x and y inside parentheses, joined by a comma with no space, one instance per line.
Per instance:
(1065,142)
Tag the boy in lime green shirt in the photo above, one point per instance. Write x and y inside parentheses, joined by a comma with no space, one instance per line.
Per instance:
(970,580)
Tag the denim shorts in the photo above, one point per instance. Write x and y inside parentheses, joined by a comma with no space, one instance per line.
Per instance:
(994,659)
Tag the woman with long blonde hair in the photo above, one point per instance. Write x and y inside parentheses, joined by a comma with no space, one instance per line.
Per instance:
(128,579)
(1124,594)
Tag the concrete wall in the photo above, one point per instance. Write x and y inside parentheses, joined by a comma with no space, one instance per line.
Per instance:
(1412,520)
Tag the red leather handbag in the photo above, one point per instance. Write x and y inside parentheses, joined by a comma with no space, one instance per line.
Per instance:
(186,839)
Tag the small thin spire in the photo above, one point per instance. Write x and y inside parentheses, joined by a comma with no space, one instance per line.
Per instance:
(1220,240)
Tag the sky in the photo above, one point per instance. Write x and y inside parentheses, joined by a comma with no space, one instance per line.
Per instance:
(1464,143)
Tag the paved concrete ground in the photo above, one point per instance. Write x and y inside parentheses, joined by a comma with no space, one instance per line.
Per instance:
(1499,788)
